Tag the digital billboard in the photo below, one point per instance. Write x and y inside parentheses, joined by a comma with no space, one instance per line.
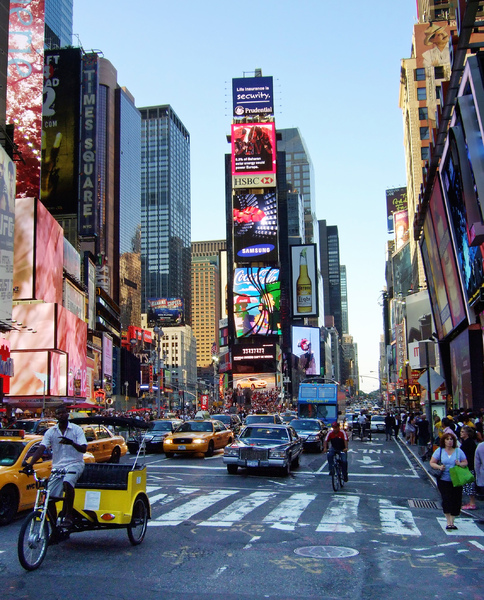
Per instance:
(168,311)
(402,271)
(255,227)
(24,89)
(306,347)
(304,281)
(252,96)
(253,148)
(7,223)
(257,298)
(396,201)
(418,317)
(402,233)
(49,256)
(60,130)
(88,167)
(255,382)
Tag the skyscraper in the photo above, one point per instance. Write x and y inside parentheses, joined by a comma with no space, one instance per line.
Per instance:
(344,300)
(58,23)
(165,207)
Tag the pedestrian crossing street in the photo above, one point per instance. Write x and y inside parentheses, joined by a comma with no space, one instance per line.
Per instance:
(232,507)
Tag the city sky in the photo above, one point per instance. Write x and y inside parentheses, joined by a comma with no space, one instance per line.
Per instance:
(336,69)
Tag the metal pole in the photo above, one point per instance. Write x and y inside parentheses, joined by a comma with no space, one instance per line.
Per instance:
(158,391)
(429,409)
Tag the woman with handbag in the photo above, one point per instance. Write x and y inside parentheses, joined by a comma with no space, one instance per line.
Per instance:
(468,446)
(443,459)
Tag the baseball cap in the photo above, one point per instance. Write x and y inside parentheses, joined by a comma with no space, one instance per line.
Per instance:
(335,424)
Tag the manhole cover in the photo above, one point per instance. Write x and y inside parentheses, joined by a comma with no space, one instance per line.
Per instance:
(326,551)
(422,504)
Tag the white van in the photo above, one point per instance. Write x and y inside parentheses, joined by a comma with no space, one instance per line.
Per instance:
(202,414)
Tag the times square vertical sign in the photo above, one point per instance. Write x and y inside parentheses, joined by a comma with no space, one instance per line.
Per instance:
(88,172)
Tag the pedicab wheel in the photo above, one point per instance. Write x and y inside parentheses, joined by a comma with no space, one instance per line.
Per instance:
(33,540)
(139,522)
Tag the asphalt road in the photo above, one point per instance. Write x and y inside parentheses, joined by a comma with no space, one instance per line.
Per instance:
(258,535)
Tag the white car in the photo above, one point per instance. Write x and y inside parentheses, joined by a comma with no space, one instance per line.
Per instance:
(377,423)
(254,383)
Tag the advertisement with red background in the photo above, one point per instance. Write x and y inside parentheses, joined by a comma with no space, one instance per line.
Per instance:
(7,366)
(25,79)
(253,148)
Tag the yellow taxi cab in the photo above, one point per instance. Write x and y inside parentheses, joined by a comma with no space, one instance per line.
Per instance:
(18,490)
(105,445)
(204,436)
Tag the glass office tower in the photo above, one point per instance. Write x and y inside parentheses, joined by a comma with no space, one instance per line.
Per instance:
(165,207)
(58,23)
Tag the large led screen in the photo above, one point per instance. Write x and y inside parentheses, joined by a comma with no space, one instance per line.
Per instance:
(257,297)
(60,130)
(396,201)
(252,96)
(402,233)
(304,281)
(168,311)
(253,148)
(402,271)
(469,258)
(255,382)
(49,256)
(418,317)
(306,347)
(255,226)
(24,89)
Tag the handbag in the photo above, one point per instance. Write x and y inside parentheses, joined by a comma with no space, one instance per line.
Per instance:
(460,476)
(437,472)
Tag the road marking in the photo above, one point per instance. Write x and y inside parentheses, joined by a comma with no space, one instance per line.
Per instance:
(396,520)
(341,510)
(476,544)
(191,508)
(154,499)
(238,510)
(407,459)
(465,527)
(286,515)
(253,539)
(218,572)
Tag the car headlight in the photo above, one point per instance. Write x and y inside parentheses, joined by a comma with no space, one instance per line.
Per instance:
(231,451)
(277,453)
(198,441)
(312,438)
(168,442)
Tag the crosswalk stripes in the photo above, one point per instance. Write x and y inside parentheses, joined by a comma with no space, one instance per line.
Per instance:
(340,516)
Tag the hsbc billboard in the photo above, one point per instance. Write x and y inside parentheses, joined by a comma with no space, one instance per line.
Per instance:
(253,181)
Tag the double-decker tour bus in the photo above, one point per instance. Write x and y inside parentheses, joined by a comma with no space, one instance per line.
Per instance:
(320,398)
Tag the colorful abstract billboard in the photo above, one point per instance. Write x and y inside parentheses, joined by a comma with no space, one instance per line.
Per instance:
(255,227)
(257,297)
(402,233)
(304,281)
(60,130)
(167,311)
(7,223)
(88,172)
(253,148)
(25,81)
(253,96)
(306,347)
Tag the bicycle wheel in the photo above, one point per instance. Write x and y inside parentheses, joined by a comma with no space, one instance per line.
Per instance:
(335,478)
(139,522)
(32,541)
(340,477)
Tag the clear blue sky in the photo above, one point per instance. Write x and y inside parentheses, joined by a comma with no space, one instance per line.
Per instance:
(336,69)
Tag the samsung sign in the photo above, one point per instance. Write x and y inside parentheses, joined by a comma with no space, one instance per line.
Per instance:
(252,96)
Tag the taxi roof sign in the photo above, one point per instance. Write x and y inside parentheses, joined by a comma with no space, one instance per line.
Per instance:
(18,433)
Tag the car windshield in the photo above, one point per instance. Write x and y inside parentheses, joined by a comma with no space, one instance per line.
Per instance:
(224,418)
(265,433)
(194,426)
(9,453)
(259,419)
(161,426)
(27,426)
(378,419)
(305,424)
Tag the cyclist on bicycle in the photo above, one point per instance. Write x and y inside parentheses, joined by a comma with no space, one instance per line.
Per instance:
(68,444)
(339,445)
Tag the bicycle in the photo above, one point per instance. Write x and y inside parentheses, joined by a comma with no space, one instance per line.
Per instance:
(337,475)
(40,529)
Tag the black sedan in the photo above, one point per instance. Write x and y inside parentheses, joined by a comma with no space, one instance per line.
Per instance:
(311,431)
(263,445)
(155,436)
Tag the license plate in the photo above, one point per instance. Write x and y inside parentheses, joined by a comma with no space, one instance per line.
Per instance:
(182,447)
(252,463)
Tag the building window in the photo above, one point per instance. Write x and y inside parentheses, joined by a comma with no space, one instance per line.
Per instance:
(421,93)
(419,74)
(439,72)
(423,113)
(425,153)
(424,133)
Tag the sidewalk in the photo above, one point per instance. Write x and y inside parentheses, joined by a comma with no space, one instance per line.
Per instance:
(478,514)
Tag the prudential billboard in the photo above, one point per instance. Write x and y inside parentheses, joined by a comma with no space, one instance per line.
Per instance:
(253,96)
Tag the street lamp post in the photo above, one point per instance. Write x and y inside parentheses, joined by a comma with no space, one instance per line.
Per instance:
(126,384)
(159,334)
